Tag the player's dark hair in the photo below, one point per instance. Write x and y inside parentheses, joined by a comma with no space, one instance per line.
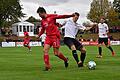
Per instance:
(105,20)
(102,17)
(41,10)
(76,13)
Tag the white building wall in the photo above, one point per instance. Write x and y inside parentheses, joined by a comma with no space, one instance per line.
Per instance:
(21,33)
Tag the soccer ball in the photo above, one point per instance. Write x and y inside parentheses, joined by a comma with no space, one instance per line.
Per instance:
(91,65)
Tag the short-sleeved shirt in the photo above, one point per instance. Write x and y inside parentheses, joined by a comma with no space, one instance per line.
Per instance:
(71,28)
(103,29)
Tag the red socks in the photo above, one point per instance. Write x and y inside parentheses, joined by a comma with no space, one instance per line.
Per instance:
(46,60)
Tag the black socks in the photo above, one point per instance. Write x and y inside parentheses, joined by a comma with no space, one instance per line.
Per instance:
(100,51)
(74,53)
(110,48)
(82,57)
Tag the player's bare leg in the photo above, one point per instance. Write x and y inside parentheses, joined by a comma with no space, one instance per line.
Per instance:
(61,56)
(29,48)
(27,45)
(46,57)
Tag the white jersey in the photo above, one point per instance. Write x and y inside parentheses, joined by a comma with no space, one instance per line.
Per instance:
(103,29)
(43,37)
(71,28)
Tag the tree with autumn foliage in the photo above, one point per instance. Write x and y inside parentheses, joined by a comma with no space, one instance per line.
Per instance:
(103,8)
(10,10)
(116,5)
(98,9)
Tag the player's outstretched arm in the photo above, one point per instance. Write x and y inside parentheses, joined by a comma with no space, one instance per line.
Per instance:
(63,16)
(90,26)
(40,33)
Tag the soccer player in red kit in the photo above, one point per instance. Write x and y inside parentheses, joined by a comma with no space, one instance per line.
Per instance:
(26,40)
(52,35)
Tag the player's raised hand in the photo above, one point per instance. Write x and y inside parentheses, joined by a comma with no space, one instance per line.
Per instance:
(73,14)
(95,24)
(89,25)
(88,28)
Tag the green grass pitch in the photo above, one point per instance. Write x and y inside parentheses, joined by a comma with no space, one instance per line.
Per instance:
(18,64)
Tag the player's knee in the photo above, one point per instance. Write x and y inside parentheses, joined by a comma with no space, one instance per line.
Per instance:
(56,53)
(107,45)
(73,47)
(99,45)
(83,50)
(45,50)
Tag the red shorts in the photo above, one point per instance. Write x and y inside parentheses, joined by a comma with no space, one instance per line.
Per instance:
(26,41)
(52,41)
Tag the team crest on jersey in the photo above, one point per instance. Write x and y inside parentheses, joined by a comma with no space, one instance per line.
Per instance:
(45,25)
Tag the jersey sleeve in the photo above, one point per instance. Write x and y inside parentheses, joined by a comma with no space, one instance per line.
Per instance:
(62,16)
(81,27)
(107,27)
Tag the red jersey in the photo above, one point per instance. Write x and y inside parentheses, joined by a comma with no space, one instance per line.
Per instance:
(26,36)
(26,33)
(49,24)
